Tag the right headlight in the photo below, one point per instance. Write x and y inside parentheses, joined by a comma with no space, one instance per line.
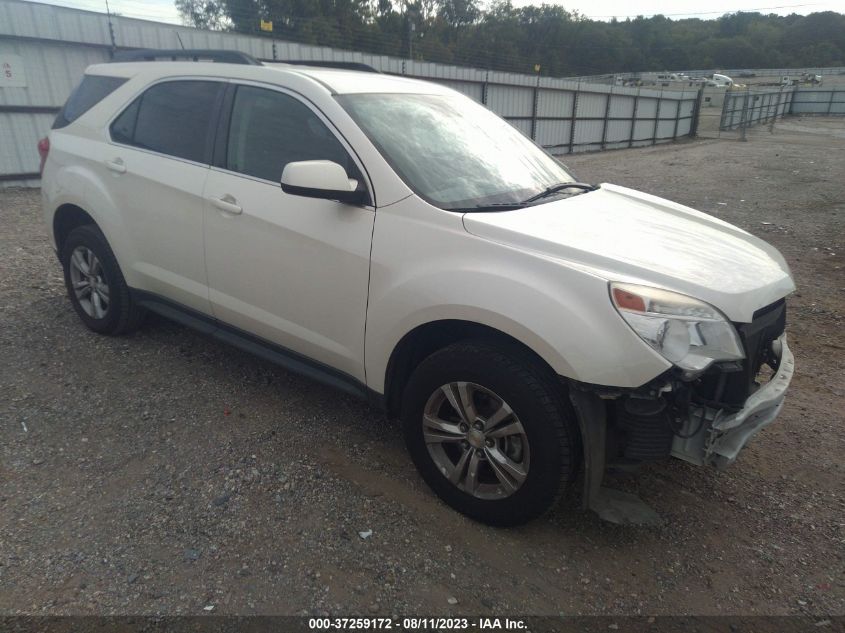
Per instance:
(687,332)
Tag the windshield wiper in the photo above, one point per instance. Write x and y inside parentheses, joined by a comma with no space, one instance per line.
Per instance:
(493,206)
(510,206)
(583,186)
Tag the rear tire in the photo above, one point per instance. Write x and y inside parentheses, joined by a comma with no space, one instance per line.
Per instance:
(491,431)
(95,284)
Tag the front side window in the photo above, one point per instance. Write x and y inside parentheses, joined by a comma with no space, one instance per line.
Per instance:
(173,118)
(269,129)
(453,152)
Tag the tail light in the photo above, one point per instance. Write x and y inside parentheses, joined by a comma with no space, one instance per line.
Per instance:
(43,150)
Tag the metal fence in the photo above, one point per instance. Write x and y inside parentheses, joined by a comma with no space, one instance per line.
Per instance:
(818,101)
(52,46)
(745,108)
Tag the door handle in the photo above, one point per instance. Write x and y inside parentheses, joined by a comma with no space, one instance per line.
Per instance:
(228,204)
(116,166)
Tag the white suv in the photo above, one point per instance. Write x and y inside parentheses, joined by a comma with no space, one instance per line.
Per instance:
(397,240)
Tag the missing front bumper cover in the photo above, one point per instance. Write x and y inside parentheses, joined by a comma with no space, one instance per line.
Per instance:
(709,436)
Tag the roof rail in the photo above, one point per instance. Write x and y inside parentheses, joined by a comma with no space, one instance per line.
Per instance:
(196,55)
(324,64)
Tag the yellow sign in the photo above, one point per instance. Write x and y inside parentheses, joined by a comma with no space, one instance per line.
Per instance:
(536,68)
(266,25)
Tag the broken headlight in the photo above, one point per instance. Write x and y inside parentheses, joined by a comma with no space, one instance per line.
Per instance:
(687,332)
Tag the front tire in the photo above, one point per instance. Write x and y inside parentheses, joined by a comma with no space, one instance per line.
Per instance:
(95,284)
(491,432)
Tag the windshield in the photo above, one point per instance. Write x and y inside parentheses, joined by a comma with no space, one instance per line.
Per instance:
(451,151)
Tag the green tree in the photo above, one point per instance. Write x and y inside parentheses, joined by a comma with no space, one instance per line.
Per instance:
(504,37)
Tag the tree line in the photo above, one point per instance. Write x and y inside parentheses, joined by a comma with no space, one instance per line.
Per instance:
(504,37)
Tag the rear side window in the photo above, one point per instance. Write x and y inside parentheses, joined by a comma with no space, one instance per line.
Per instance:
(92,90)
(173,118)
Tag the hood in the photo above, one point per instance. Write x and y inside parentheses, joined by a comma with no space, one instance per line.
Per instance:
(624,235)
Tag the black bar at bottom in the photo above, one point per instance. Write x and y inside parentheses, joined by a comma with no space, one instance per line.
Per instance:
(28,176)
(28,109)
(491,622)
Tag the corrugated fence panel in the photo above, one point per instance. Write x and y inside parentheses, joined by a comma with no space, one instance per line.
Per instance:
(810,108)
(29,20)
(665,129)
(587,135)
(510,101)
(51,71)
(591,106)
(553,134)
(84,28)
(816,101)
(621,106)
(684,127)
(668,108)
(667,122)
(646,108)
(814,96)
(554,103)
(618,133)
(643,130)
(19,134)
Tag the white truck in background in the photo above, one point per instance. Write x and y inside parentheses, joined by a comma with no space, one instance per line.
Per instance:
(719,81)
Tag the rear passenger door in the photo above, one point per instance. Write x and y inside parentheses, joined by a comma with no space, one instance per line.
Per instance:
(157,164)
(292,270)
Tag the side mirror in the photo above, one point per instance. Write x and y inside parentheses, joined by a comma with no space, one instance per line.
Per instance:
(321,179)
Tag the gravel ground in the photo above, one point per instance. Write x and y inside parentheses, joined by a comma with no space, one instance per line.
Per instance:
(165,473)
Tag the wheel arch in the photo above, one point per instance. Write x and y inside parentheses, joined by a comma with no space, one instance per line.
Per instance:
(66,218)
(427,338)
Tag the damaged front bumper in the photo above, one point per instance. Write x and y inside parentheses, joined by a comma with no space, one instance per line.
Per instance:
(709,436)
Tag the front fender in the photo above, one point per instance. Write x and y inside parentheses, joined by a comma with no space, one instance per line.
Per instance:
(442,272)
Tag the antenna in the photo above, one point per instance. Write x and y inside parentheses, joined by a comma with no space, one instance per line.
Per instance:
(111,31)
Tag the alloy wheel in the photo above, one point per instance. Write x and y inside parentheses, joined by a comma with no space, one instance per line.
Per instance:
(89,283)
(476,440)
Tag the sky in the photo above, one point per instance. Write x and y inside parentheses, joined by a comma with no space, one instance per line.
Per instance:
(165,10)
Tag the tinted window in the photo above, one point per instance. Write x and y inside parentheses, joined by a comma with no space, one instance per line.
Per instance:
(269,129)
(172,118)
(123,127)
(92,90)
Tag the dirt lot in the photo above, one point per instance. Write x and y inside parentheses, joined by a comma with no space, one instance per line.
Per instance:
(167,473)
